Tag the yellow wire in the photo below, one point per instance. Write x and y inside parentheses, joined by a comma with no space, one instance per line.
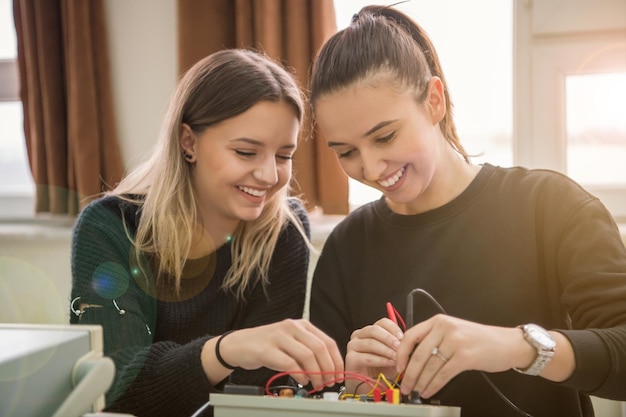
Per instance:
(370,394)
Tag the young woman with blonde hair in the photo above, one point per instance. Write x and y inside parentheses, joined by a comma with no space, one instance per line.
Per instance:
(203,240)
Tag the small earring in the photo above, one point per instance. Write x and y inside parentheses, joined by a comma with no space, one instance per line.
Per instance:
(187,156)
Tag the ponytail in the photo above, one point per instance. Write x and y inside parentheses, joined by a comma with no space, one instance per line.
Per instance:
(383,39)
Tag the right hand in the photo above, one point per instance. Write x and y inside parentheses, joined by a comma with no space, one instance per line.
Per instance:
(372,351)
(293,346)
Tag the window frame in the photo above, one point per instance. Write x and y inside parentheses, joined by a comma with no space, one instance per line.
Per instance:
(9,80)
(13,204)
(551,42)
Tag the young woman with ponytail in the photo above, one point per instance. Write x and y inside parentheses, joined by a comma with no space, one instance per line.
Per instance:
(513,280)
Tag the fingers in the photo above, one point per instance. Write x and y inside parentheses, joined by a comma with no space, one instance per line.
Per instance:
(423,358)
(318,353)
(372,351)
(428,370)
(374,345)
(439,371)
(391,327)
(298,347)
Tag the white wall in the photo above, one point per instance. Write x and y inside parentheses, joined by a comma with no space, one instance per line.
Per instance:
(35,276)
(142,41)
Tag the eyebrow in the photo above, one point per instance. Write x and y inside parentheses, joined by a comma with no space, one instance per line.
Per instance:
(369,132)
(260,143)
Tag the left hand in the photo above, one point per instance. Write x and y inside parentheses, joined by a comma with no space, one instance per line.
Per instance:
(371,351)
(463,345)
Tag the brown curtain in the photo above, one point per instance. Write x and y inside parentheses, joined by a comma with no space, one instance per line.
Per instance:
(290,31)
(66,94)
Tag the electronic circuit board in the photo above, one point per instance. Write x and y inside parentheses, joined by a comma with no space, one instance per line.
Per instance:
(231,405)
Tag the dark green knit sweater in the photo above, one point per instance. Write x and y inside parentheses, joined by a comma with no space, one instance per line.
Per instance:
(156,342)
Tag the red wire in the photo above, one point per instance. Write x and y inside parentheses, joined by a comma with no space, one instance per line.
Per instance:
(399,318)
(346,375)
(393,315)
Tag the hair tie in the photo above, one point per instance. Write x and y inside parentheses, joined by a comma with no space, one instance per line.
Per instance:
(217,352)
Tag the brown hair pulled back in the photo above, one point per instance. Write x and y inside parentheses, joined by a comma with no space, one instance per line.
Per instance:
(382,41)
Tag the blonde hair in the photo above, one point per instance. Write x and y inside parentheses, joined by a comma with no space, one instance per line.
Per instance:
(220,86)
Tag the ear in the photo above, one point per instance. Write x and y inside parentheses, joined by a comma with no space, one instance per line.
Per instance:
(436,100)
(187,139)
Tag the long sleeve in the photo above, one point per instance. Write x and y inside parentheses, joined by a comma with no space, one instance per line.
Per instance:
(517,246)
(108,280)
(591,261)
(156,343)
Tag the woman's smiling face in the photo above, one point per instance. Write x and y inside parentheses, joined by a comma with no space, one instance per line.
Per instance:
(384,138)
(243,161)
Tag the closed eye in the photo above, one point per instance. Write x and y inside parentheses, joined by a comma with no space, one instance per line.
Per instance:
(386,139)
(245,153)
(345,154)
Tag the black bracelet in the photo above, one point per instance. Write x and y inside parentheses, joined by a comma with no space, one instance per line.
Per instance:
(217,351)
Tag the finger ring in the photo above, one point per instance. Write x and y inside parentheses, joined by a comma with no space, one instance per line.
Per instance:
(435,352)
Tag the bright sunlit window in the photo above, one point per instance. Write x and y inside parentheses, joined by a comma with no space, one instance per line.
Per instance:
(15,177)
(475,50)
(596,128)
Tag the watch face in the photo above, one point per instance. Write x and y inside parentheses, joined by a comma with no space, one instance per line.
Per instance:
(541,336)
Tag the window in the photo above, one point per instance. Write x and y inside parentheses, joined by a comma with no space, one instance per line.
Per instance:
(564,110)
(16,183)
(571,79)
(596,128)
(476,53)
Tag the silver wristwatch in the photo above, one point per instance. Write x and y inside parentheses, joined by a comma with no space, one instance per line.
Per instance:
(545,344)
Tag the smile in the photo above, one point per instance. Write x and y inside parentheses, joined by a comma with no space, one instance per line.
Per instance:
(252,191)
(390,181)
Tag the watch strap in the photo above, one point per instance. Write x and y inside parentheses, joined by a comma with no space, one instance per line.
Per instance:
(544,356)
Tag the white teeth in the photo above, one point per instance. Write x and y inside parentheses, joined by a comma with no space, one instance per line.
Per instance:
(251,191)
(391,181)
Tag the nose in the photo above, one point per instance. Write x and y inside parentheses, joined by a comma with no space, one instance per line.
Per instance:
(266,172)
(373,166)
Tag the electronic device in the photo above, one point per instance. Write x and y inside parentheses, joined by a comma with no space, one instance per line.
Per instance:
(52,370)
(229,405)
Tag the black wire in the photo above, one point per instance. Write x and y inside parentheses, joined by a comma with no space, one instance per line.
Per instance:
(276,388)
(356,389)
(489,381)
(501,395)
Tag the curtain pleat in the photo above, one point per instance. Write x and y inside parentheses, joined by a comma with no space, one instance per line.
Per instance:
(290,31)
(65,90)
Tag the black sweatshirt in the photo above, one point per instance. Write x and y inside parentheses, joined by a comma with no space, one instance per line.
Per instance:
(517,246)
